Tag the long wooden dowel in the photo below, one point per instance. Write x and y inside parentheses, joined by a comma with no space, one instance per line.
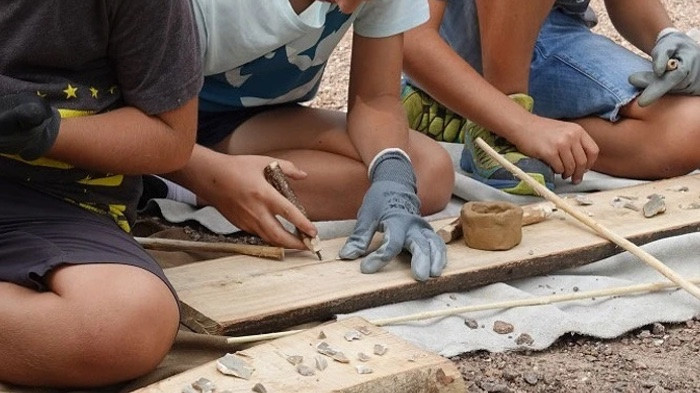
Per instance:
(533,301)
(597,227)
(154,243)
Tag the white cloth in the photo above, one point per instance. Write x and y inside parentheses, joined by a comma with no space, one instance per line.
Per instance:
(605,317)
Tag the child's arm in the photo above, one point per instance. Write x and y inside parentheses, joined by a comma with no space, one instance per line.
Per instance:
(436,68)
(376,120)
(128,141)
(379,130)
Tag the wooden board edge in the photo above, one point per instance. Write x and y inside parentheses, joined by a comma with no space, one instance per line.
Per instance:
(457,282)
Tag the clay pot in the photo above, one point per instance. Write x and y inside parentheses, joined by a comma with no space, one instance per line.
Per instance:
(492,225)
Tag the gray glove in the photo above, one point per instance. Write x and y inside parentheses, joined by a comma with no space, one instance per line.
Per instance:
(391,206)
(28,125)
(684,80)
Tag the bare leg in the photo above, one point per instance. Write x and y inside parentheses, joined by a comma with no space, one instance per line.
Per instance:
(316,141)
(508,32)
(658,141)
(100,324)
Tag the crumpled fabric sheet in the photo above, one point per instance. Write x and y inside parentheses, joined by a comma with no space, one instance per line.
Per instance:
(604,317)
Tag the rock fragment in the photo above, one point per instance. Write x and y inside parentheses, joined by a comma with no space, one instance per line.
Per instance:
(305,370)
(259,388)
(204,385)
(655,205)
(380,349)
(233,365)
(501,327)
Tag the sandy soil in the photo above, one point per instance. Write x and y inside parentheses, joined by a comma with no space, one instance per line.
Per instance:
(653,359)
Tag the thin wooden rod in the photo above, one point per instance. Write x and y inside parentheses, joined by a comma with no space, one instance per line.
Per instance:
(533,301)
(154,243)
(597,227)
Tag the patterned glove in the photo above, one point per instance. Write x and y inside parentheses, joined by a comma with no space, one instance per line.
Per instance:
(685,79)
(391,206)
(28,125)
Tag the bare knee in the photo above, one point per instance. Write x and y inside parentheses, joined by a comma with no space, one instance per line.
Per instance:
(127,339)
(435,175)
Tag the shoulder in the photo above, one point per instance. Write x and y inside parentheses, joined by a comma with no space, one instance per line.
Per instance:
(383,18)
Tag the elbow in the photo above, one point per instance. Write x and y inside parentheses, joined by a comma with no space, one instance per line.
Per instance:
(179,155)
(181,159)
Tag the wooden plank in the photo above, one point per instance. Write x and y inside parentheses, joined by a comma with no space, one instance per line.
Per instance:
(403,368)
(246,295)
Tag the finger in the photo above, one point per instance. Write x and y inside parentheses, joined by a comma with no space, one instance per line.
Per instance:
(641,79)
(556,164)
(419,247)
(660,59)
(287,210)
(581,164)
(591,149)
(357,243)
(660,87)
(27,115)
(438,249)
(390,248)
(292,171)
(567,158)
(271,230)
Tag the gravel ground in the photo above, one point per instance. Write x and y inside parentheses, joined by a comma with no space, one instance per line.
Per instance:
(658,358)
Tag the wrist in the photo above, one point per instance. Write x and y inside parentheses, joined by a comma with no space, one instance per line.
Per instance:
(666,31)
(393,165)
(376,158)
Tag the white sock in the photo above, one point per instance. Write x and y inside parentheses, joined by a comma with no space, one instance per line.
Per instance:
(179,193)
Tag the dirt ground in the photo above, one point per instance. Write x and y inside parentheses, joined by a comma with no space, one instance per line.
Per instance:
(658,358)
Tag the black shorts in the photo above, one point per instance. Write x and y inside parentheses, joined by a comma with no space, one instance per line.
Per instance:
(39,233)
(213,127)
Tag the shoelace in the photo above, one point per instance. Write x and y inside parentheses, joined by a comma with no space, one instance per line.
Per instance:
(500,144)
(441,113)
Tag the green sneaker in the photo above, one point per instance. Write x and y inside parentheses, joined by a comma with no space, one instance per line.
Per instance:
(487,170)
(431,118)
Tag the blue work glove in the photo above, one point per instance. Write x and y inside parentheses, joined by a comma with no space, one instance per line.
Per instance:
(683,80)
(28,125)
(392,206)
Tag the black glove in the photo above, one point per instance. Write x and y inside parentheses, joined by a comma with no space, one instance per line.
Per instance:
(28,125)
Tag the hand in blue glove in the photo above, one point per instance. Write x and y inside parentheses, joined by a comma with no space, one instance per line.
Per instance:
(391,206)
(28,125)
(684,80)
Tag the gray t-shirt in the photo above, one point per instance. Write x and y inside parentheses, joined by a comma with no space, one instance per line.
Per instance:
(88,57)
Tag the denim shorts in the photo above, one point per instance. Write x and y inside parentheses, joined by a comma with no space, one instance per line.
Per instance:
(39,233)
(576,73)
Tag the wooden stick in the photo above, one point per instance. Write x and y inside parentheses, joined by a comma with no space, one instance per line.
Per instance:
(597,227)
(532,214)
(672,64)
(533,301)
(154,243)
(274,175)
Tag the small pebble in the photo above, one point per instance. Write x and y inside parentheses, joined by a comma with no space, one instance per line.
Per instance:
(501,327)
